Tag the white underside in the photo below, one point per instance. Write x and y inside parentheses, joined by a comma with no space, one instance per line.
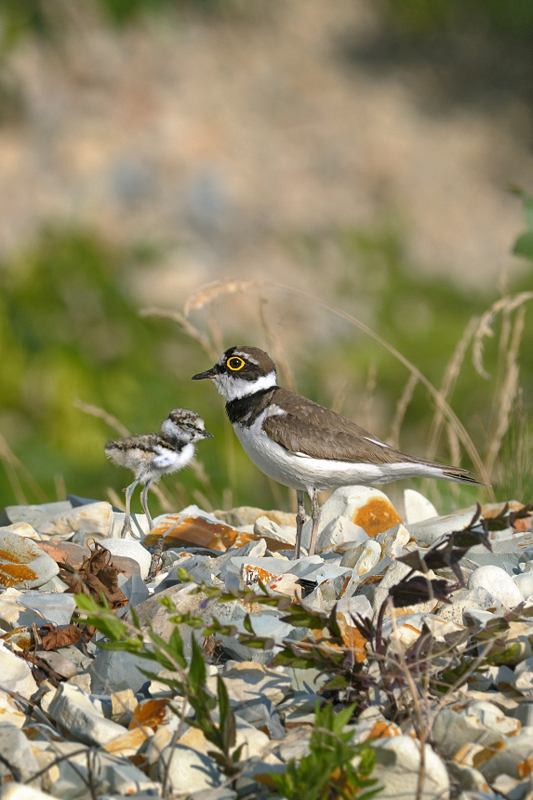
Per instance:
(157,462)
(303,473)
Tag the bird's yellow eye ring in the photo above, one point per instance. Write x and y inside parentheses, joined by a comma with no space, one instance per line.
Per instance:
(235,363)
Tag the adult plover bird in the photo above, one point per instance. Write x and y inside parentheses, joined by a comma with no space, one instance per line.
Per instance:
(302,444)
(152,455)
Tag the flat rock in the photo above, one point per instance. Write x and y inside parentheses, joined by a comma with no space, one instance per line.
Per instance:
(454,728)
(55,607)
(18,761)
(192,526)
(524,581)
(23,529)
(428,531)
(398,768)
(187,769)
(23,565)
(34,515)
(514,759)
(248,515)
(78,715)
(21,791)
(13,614)
(15,674)
(112,668)
(247,681)
(93,519)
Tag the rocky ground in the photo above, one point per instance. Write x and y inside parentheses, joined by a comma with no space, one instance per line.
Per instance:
(421,623)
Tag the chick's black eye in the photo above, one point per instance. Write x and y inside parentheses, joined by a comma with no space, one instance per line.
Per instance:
(235,363)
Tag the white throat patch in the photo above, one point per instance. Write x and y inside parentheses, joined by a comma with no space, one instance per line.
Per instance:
(232,387)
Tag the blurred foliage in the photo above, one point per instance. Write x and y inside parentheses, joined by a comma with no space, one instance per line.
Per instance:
(450,52)
(47,17)
(70,328)
(426,16)
(524,244)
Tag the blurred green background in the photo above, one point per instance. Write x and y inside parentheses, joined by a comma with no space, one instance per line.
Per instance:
(109,207)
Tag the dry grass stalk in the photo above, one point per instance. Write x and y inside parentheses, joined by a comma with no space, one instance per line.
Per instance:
(448,384)
(367,398)
(60,487)
(508,391)
(401,408)
(339,397)
(276,348)
(165,500)
(211,291)
(484,326)
(115,499)
(205,343)
(215,290)
(109,419)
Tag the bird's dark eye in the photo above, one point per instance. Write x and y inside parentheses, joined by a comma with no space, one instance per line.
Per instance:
(235,363)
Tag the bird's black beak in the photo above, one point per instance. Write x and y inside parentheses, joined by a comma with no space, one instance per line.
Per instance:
(208,435)
(209,373)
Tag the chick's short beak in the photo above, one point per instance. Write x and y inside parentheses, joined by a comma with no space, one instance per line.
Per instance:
(208,435)
(209,373)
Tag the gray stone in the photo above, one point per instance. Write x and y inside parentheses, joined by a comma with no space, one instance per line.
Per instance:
(268,625)
(18,760)
(187,769)
(248,682)
(81,717)
(34,514)
(56,608)
(514,759)
(113,667)
(429,530)
(15,674)
(123,778)
(454,728)
(466,601)
(134,588)
(263,715)
(398,768)
(523,676)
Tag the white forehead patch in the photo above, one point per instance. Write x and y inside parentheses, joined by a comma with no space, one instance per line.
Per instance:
(246,356)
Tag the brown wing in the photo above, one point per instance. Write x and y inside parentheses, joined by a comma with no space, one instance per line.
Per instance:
(317,432)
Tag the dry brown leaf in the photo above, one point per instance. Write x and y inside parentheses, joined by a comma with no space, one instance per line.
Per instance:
(60,637)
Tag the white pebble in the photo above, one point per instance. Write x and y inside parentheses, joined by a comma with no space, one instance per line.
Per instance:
(498,583)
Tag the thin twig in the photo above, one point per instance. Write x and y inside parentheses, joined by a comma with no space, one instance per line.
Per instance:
(101,413)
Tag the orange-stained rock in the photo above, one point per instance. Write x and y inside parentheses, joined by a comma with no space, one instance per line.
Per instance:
(376,516)
(179,532)
(195,530)
(252,574)
(351,637)
(23,565)
(150,714)
(127,745)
